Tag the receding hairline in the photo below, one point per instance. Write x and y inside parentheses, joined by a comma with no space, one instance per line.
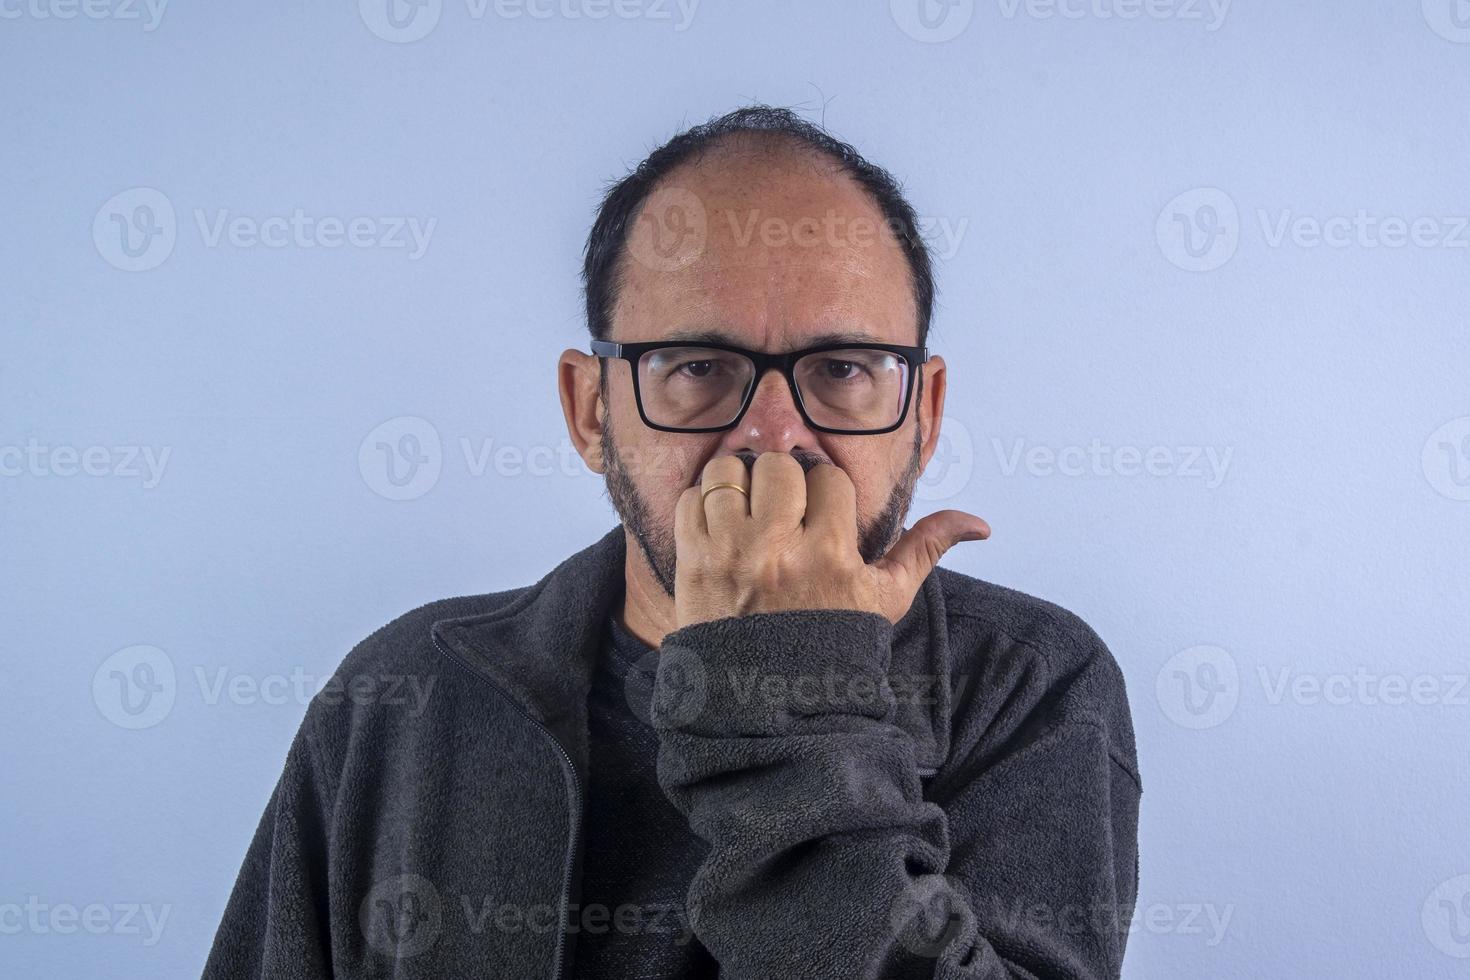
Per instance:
(780,140)
(781,153)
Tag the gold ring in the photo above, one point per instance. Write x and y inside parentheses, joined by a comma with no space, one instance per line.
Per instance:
(716,486)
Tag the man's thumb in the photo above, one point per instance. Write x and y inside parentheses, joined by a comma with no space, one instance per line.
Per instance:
(920,547)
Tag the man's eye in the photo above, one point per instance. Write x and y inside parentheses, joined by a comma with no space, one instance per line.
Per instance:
(842,370)
(698,369)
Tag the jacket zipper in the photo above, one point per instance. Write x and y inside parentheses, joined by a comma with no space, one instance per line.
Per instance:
(558,968)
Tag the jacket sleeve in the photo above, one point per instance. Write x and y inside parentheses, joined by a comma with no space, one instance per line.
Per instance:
(275,925)
(826,860)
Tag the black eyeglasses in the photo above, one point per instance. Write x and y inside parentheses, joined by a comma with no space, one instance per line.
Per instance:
(851,389)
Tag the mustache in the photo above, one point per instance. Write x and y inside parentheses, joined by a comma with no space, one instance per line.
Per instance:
(806,458)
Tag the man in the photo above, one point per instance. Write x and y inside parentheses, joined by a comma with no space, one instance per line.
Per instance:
(754,731)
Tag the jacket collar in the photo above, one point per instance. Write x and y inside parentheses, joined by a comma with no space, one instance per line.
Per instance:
(540,649)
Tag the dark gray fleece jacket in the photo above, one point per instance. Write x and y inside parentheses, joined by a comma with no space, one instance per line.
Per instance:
(954,796)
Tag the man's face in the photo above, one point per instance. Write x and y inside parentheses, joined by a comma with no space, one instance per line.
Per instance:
(790,252)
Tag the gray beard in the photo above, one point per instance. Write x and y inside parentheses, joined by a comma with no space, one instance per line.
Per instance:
(657,542)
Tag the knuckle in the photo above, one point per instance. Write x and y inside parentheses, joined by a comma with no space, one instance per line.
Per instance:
(686,503)
(836,476)
(719,465)
(744,570)
(776,462)
(831,549)
(769,574)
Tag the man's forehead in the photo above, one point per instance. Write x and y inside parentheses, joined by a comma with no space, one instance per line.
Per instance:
(777,255)
(734,337)
(795,184)
(762,322)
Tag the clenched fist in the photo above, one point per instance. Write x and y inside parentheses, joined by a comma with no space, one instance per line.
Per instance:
(793,544)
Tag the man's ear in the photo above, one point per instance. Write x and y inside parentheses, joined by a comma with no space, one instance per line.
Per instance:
(930,407)
(577,375)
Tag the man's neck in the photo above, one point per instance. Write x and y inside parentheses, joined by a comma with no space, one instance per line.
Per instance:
(645,610)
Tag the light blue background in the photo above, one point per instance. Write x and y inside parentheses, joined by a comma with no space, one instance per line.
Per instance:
(1327,833)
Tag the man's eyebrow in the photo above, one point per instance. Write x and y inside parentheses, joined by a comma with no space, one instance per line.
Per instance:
(844,337)
(703,335)
(698,335)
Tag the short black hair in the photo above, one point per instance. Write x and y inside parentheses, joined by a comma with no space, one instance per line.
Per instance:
(606,243)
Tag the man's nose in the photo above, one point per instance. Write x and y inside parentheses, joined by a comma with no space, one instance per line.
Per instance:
(772,423)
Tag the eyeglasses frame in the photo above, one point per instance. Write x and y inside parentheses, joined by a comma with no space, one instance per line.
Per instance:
(785,363)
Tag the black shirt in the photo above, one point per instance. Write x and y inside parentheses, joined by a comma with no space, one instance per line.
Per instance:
(633,921)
